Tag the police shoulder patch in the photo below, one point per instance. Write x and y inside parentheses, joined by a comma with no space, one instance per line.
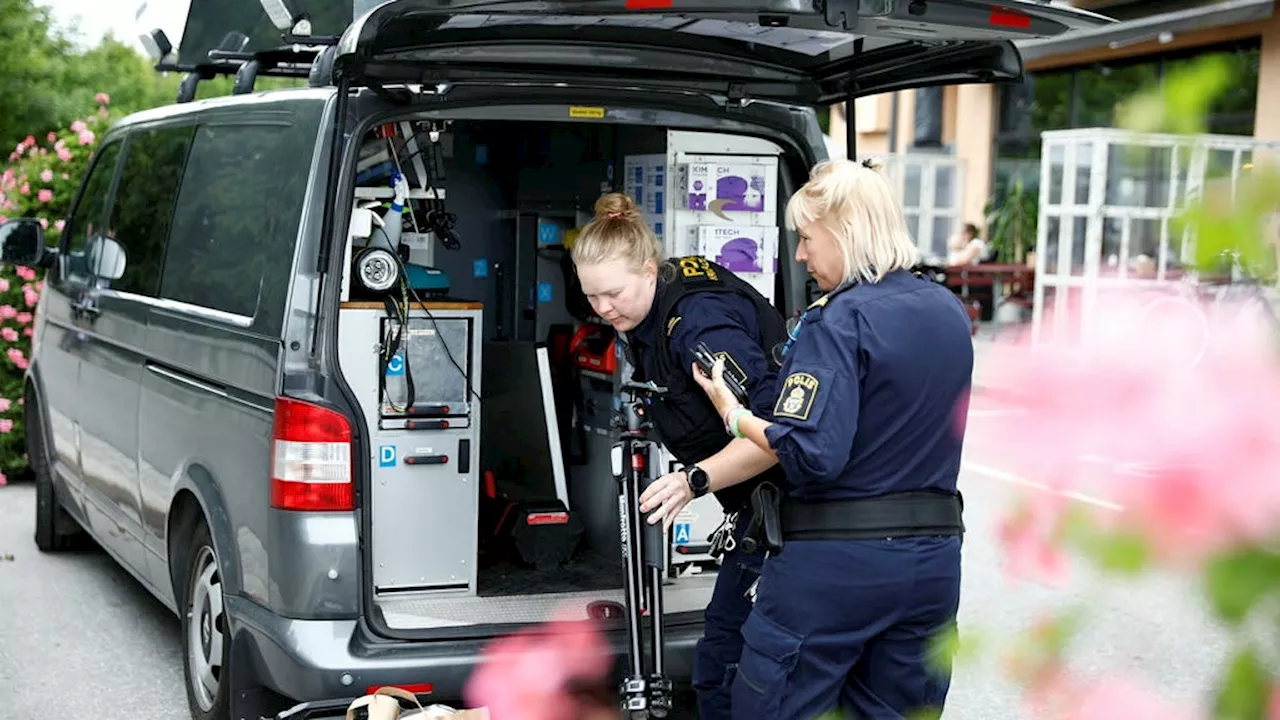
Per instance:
(797,396)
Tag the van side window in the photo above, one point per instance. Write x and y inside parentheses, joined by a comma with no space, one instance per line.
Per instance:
(90,214)
(144,203)
(237,220)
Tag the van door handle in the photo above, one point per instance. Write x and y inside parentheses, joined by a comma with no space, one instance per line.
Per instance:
(85,307)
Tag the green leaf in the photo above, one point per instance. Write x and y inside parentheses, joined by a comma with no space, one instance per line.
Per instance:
(1236,581)
(1245,690)
(1124,551)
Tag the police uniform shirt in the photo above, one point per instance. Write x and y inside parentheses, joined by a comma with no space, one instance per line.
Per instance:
(872,391)
(727,323)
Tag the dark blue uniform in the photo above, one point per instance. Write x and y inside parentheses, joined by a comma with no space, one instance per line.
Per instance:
(870,402)
(728,323)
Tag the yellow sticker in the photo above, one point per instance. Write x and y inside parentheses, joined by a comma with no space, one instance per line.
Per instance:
(796,398)
(732,368)
(594,113)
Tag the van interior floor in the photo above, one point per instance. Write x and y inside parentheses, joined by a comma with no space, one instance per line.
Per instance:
(589,571)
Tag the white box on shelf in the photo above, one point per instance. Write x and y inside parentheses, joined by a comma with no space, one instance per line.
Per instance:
(645,180)
(738,248)
(730,186)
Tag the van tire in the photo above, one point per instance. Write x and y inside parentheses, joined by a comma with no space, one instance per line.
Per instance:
(205,643)
(55,528)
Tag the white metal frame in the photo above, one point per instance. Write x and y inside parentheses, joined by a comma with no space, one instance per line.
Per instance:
(1089,150)
(926,209)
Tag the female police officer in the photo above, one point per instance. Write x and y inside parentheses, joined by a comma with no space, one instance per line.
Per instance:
(663,310)
(874,377)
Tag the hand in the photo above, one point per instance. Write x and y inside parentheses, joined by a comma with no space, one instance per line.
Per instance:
(669,494)
(719,393)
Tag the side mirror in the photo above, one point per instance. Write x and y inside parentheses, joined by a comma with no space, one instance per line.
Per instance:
(22,243)
(106,258)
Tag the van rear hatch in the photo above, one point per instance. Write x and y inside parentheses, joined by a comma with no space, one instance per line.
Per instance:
(805,52)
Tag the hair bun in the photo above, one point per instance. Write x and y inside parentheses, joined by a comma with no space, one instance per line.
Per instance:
(617,205)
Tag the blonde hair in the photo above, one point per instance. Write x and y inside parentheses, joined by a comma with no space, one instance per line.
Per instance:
(854,201)
(618,232)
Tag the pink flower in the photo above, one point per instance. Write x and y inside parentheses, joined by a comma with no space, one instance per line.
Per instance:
(59,225)
(1196,412)
(28,332)
(525,676)
(5,404)
(102,98)
(86,137)
(45,195)
(4,285)
(1123,700)
(44,223)
(8,312)
(1030,537)
(22,317)
(3,480)
(26,273)
(31,298)
(78,126)
(6,425)
(64,154)
(9,334)
(52,136)
(16,357)
(31,140)
(46,176)
(25,189)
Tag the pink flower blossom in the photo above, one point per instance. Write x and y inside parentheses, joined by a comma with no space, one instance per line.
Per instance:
(1195,411)
(6,425)
(44,223)
(29,141)
(25,189)
(8,312)
(45,195)
(31,298)
(26,273)
(46,176)
(3,480)
(64,154)
(5,404)
(9,334)
(526,676)
(4,285)
(59,225)
(16,357)
(22,317)
(86,137)
(102,98)
(78,126)
(29,332)
(52,136)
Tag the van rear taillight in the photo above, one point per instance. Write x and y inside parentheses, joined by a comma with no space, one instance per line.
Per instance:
(311,459)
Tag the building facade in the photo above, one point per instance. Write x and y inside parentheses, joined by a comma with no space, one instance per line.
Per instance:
(989,135)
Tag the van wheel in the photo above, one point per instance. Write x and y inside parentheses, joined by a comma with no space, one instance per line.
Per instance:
(55,528)
(204,631)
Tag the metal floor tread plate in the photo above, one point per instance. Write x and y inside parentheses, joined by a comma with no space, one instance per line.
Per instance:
(423,611)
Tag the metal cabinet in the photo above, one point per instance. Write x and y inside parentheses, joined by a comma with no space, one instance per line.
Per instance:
(424,455)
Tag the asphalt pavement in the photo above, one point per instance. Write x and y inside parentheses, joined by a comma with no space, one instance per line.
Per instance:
(79,638)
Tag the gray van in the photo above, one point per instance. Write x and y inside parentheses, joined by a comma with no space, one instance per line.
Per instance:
(302,426)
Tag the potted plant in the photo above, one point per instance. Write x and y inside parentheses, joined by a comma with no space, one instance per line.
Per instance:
(1011,223)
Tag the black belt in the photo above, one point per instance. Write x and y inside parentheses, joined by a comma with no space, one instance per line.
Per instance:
(897,515)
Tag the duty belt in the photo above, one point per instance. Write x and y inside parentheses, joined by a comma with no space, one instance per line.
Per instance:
(896,515)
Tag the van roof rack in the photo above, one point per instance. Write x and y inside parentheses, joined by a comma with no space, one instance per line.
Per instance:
(303,57)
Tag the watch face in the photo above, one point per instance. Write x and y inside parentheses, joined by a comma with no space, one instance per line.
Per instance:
(698,478)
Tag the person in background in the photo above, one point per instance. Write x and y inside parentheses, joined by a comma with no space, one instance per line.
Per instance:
(869,426)
(966,247)
(662,310)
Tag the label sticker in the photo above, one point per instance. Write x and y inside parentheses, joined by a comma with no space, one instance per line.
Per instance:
(395,366)
(480,267)
(544,292)
(586,112)
(682,533)
(387,456)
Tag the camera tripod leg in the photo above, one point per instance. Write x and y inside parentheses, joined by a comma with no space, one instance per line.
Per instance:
(654,563)
(635,688)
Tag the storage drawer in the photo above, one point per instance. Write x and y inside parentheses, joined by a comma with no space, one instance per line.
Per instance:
(425,510)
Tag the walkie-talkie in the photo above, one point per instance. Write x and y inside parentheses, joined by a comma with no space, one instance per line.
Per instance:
(706,361)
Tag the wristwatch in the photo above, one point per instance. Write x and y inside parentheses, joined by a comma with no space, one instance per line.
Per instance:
(699,481)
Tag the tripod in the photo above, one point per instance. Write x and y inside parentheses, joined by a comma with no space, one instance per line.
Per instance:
(634,457)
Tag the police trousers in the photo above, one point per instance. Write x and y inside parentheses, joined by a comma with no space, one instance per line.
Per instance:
(849,625)
(718,650)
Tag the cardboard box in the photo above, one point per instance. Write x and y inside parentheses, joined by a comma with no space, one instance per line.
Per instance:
(739,248)
(730,187)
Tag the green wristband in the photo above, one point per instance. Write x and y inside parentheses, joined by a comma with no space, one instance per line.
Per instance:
(733,421)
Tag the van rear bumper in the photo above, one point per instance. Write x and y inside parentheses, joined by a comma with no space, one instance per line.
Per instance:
(310,660)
